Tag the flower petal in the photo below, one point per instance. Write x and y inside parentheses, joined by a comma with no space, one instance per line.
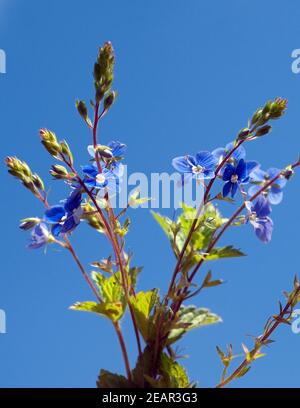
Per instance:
(264,230)
(91,150)
(90,170)
(206,160)
(275,196)
(208,174)
(54,214)
(253,189)
(273,172)
(219,153)
(56,229)
(227,188)
(73,201)
(238,154)
(69,224)
(234,189)
(228,172)
(241,170)
(261,207)
(118,149)
(184,164)
(251,166)
(258,175)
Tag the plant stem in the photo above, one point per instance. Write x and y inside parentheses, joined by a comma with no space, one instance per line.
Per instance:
(84,273)
(199,210)
(224,228)
(232,218)
(123,348)
(261,340)
(94,290)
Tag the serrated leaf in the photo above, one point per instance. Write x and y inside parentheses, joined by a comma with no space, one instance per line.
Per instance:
(143,368)
(190,317)
(142,304)
(112,293)
(133,273)
(173,373)
(107,379)
(226,252)
(112,310)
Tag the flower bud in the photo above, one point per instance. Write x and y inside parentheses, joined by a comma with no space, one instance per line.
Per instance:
(82,109)
(104,151)
(243,134)
(28,223)
(38,182)
(22,172)
(287,173)
(109,100)
(263,130)
(50,142)
(278,108)
(59,172)
(103,70)
(66,151)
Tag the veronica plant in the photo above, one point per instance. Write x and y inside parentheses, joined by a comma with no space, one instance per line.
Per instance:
(159,318)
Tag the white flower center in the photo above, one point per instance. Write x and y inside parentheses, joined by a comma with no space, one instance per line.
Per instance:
(100,178)
(197,169)
(234,178)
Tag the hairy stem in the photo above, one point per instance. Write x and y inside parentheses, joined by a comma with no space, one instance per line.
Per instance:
(261,340)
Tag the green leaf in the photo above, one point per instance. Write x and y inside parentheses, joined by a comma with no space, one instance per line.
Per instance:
(110,288)
(112,294)
(142,304)
(166,224)
(113,311)
(143,368)
(226,252)
(243,372)
(134,273)
(177,231)
(188,318)
(173,373)
(107,379)
(135,200)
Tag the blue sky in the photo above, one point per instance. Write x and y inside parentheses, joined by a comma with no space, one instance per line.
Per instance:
(189,75)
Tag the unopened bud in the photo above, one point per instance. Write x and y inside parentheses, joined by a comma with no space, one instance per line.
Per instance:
(82,109)
(109,100)
(243,134)
(104,151)
(264,130)
(28,223)
(50,142)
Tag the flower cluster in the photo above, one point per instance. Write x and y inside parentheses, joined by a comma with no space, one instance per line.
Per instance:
(64,218)
(229,165)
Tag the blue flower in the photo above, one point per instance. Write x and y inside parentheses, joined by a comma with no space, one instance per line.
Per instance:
(108,179)
(39,236)
(65,218)
(259,218)
(221,152)
(273,193)
(116,150)
(201,167)
(236,175)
